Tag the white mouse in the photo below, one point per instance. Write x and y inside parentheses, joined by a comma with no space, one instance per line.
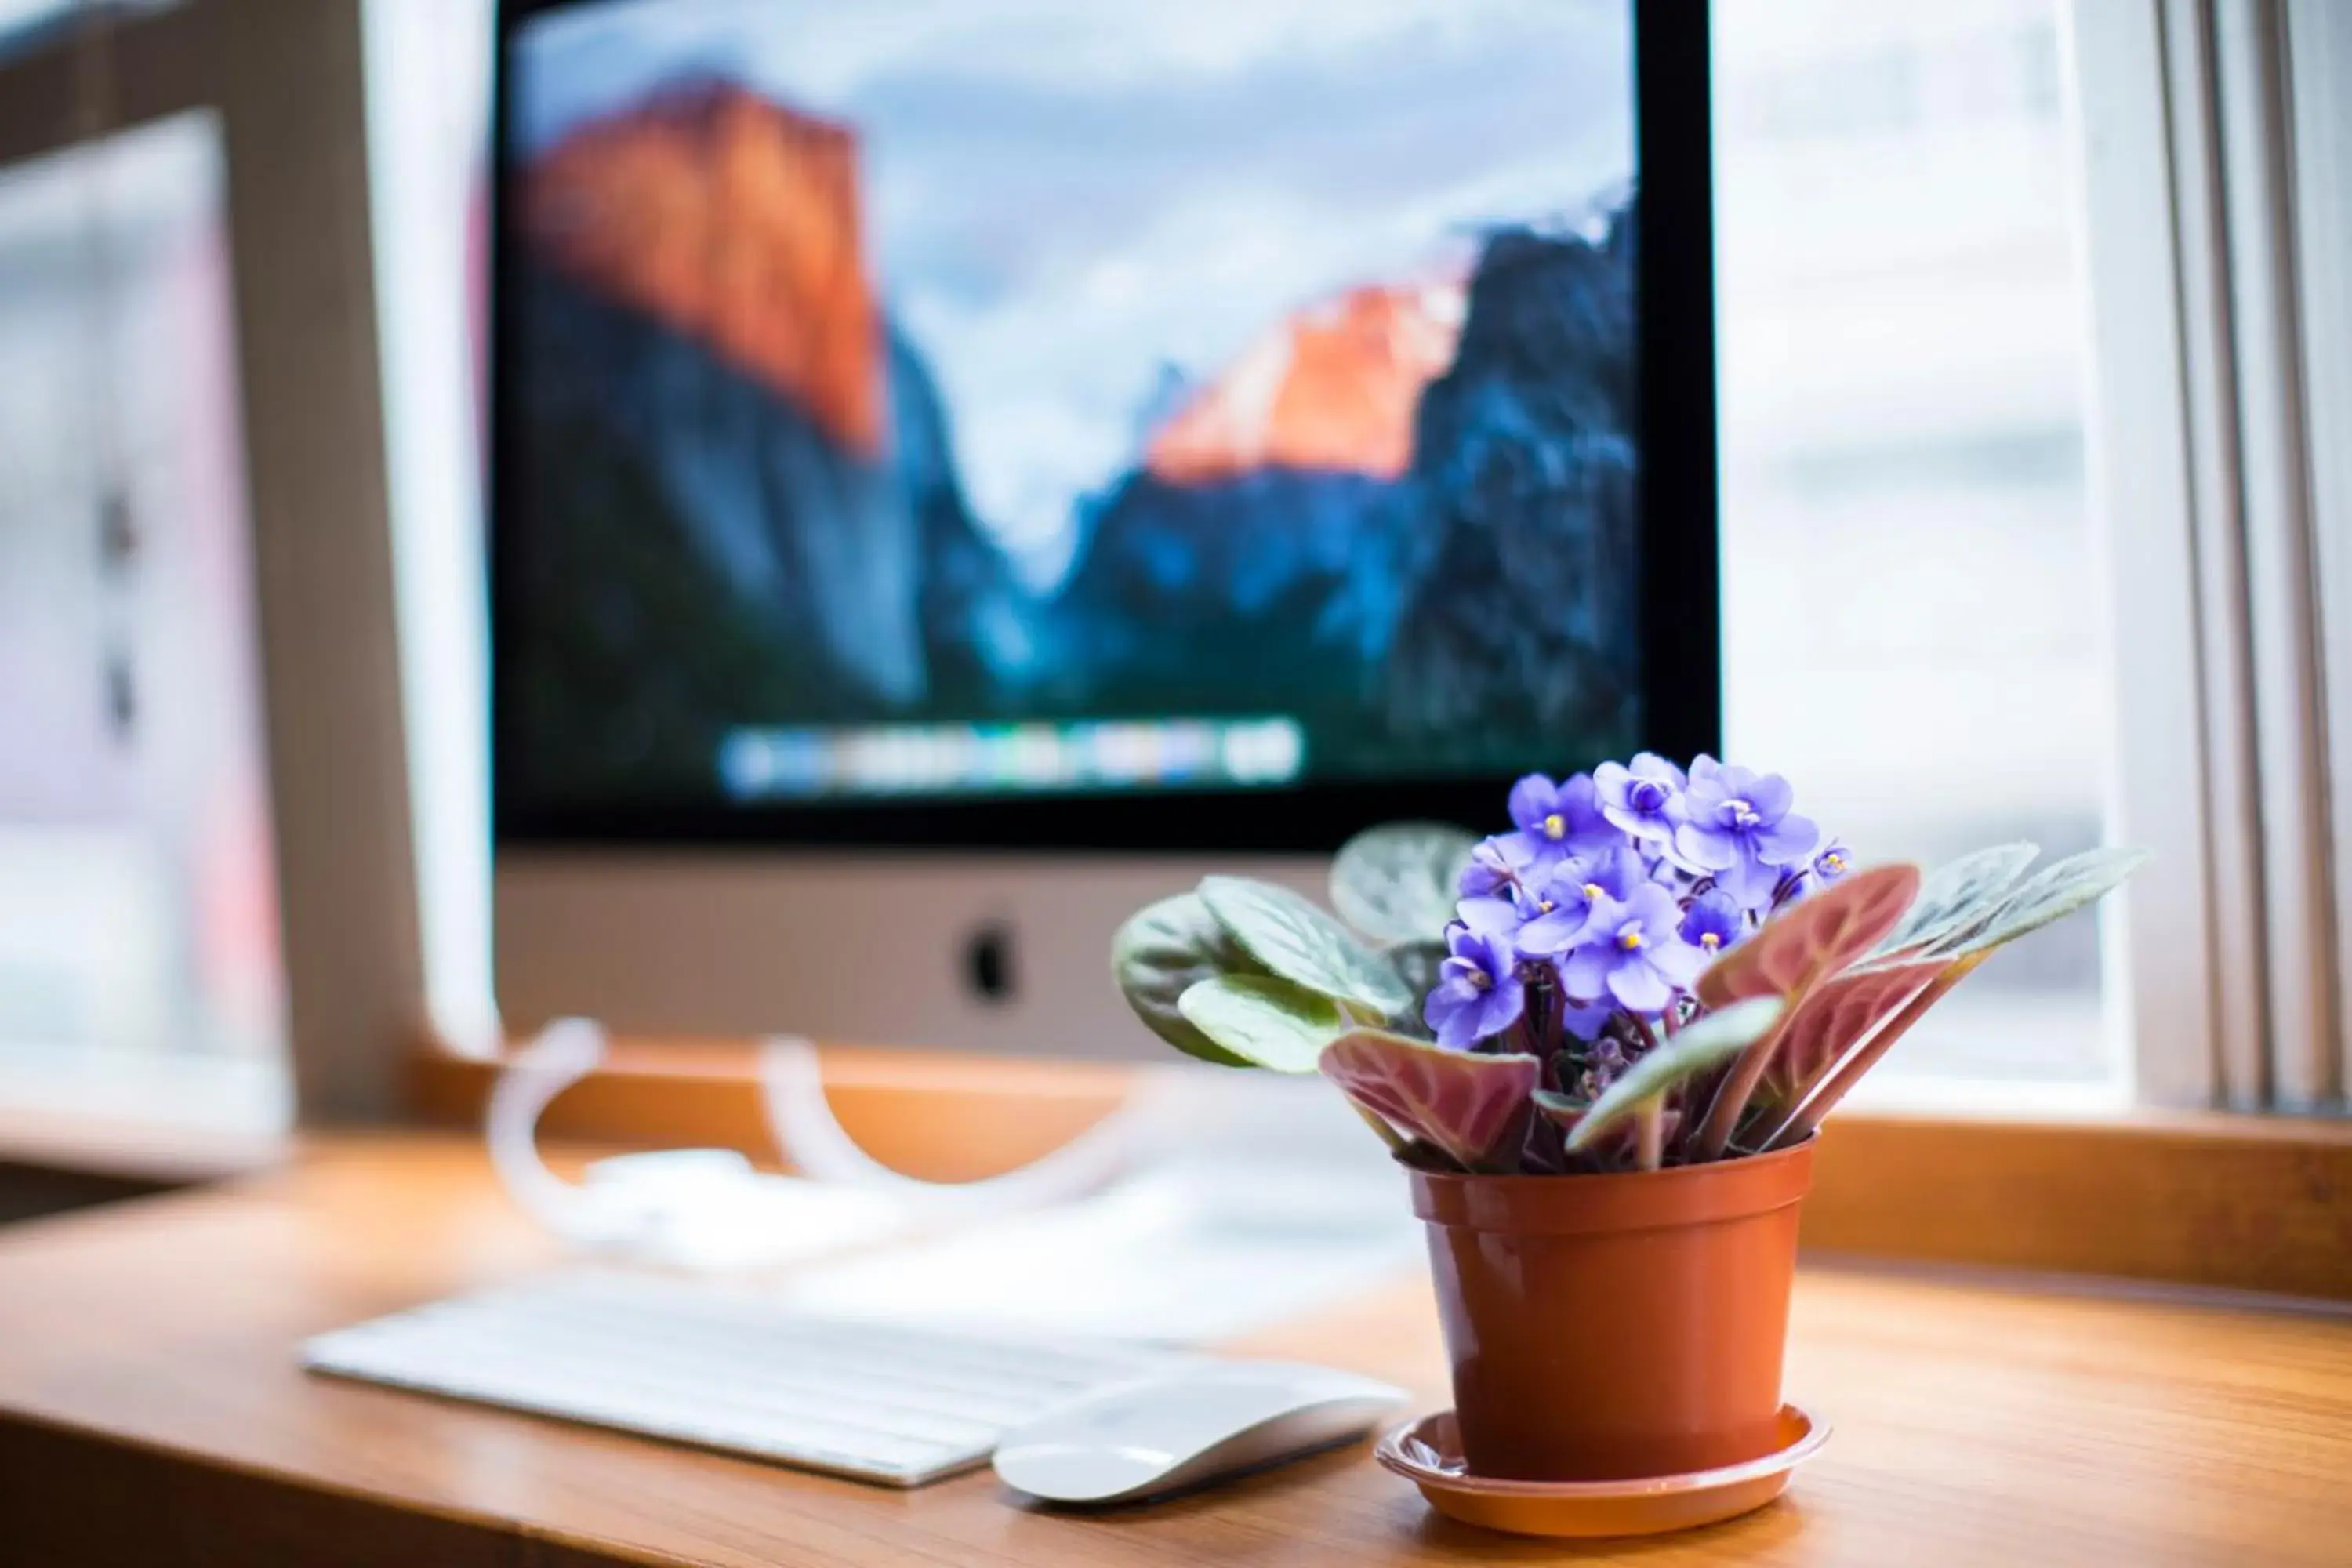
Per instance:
(1167,1433)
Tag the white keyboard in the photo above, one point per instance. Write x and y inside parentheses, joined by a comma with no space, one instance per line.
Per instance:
(727,1369)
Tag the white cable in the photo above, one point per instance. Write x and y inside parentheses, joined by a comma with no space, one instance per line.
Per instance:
(802,1120)
(566,1051)
(791,1083)
(697,1208)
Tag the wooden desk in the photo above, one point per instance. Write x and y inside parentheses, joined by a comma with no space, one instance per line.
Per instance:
(150,1414)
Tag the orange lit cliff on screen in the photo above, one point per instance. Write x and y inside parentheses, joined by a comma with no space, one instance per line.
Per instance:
(734,220)
(1332,389)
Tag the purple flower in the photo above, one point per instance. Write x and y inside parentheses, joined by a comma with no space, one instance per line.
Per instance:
(1632,950)
(1564,900)
(1832,863)
(1644,799)
(1478,990)
(1585,1020)
(1498,865)
(1736,825)
(1497,916)
(1712,922)
(1562,819)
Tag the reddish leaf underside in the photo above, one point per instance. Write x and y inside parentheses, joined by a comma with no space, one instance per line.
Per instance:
(1467,1105)
(1561,1109)
(1840,1010)
(1818,936)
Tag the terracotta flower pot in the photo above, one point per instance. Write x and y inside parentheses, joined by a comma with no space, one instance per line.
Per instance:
(1611,1327)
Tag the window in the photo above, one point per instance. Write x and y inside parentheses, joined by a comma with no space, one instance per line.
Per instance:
(1912,584)
(138,915)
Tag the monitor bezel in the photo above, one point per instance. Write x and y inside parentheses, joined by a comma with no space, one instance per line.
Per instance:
(1680,588)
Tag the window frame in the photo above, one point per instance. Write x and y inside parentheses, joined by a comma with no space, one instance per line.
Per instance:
(285,79)
(2171,690)
(2202,125)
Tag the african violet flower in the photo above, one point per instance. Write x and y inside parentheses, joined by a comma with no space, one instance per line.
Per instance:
(1498,865)
(1557,819)
(1614,892)
(1832,863)
(1585,1020)
(1712,922)
(1645,798)
(1565,897)
(1633,951)
(1478,991)
(1738,826)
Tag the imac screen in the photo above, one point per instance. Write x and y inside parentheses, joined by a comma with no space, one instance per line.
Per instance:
(926,400)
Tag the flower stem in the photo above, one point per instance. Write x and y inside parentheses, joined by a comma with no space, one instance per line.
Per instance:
(1524,1038)
(1650,1133)
(1747,1071)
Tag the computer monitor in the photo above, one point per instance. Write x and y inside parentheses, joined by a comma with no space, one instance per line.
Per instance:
(960,471)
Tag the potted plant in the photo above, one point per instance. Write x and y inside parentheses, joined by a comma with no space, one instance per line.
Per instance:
(1599,1043)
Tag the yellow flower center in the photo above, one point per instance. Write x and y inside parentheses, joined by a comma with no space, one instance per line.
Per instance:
(1709,940)
(1554,826)
(1836,863)
(1544,906)
(1629,940)
(1592,890)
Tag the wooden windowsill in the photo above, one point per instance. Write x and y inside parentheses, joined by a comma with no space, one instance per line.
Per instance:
(138,1154)
(2203,1198)
(2209,1199)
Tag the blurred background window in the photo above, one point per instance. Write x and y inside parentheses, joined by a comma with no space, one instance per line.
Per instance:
(139,969)
(1913,586)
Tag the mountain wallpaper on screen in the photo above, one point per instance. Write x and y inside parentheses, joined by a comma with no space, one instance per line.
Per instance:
(1406,514)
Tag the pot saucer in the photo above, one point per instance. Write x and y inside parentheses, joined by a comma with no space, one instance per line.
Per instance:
(1428,1453)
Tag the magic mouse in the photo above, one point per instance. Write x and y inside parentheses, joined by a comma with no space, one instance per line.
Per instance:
(1186,1427)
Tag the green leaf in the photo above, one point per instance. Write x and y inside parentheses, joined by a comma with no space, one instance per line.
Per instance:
(1289,936)
(1959,896)
(2053,893)
(1417,964)
(1398,882)
(1163,951)
(1816,937)
(1266,1021)
(1698,1047)
(1472,1106)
